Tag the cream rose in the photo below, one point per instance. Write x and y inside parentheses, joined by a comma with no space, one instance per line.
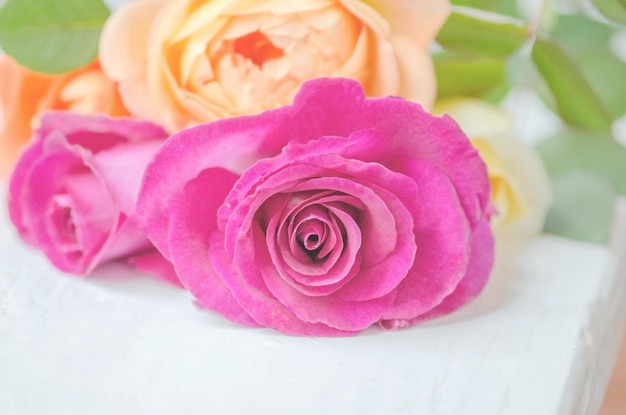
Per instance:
(185,62)
(520,185)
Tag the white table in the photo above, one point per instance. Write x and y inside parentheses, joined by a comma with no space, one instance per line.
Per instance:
(540,340)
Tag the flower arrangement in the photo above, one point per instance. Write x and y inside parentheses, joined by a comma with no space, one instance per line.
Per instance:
(316,167)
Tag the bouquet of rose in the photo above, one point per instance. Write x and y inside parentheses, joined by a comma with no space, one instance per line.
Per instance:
(315,167)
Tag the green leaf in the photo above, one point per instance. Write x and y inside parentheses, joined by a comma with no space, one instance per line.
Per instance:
(482,33)
(576,100)
(612,9)
(476,77)
(589,41)
(582,207)
(477,4)
(507,7)
(52,36)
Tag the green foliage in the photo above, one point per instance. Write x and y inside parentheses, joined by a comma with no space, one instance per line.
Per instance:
(572,66)
(506,7)
(575,99)
(52,36)
(480,33)
(612,9)
(582,207)
(461,76)
(596,153)
(587,170)
(589,41)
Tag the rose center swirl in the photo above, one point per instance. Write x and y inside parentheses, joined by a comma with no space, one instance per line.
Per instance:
(311,237)
(314,239)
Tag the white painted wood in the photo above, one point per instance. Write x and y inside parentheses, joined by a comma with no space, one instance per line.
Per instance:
(540,340)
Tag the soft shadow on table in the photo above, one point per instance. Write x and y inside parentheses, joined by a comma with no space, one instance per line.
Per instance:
(120,277)
(498,292)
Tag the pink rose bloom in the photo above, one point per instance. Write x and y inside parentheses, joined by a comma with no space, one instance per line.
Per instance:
(324,217)
(74,189)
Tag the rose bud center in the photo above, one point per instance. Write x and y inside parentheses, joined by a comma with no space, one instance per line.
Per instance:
(257,47)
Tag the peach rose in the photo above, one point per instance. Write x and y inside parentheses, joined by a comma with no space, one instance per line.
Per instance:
(185,62)
(25,94)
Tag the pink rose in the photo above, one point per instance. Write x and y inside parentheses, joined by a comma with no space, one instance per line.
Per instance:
(324,217)
(74,189)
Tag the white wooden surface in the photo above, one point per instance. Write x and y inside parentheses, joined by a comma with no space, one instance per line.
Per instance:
(540,340)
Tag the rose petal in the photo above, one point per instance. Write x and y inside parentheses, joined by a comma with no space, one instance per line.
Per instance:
(121,170)
(330,310)
(54,193)
(226,144)
(34,200)
(475,279)
(155,264)
(420,169)
(93,212)
(420,88)
(193,218)
(262,306)
(443,234)
(326,277)
(417,20)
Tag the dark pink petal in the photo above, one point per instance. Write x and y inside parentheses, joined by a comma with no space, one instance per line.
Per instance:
(231,144)
(378,278)
(475,279)
(323,107)
(319,278)
(193,219)
(237,143)
(443,236)
(330,310)
(262,306)
(409,132)
(60,206)
(276,246)
(37,200)
(376,221)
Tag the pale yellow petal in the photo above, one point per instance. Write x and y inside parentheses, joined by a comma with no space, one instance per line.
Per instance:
(284,7)
(419,20)
(416,72)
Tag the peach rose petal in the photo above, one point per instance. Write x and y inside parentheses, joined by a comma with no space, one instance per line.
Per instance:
(186,62)
(18,90)
(417,20)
